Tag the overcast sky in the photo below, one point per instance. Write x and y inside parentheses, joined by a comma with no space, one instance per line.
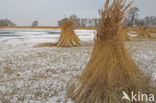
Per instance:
(48,12)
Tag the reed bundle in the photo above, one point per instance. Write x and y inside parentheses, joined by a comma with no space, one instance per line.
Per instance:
(68,38)
(111,69)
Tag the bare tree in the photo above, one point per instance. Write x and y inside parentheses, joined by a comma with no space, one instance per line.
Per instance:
(6,22)
(35,23)
(2,23)
(132,16)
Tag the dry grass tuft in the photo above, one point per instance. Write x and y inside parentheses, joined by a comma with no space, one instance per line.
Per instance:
(70,90)
(111,69)
(48,44)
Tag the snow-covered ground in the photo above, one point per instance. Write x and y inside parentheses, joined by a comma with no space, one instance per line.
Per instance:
(42,75)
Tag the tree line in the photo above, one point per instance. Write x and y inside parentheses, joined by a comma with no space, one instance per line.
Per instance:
(82,22)
(7,22)
(131,20)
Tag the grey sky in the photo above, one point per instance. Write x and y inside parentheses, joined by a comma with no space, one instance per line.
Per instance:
(48,12)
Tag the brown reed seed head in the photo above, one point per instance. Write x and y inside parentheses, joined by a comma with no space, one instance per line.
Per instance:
(67,23)
(111,17)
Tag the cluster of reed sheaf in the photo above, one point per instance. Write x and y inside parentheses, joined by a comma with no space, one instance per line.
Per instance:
(111,69)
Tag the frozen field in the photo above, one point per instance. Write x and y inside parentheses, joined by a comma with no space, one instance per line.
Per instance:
(42,75)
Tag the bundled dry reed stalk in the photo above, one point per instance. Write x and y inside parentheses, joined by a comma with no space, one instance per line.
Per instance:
(110,70)
(143,32)
(68,38)
(124,32)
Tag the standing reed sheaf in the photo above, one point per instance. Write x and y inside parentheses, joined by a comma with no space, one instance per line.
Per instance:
(143,32)
(68,38)
(111,69)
